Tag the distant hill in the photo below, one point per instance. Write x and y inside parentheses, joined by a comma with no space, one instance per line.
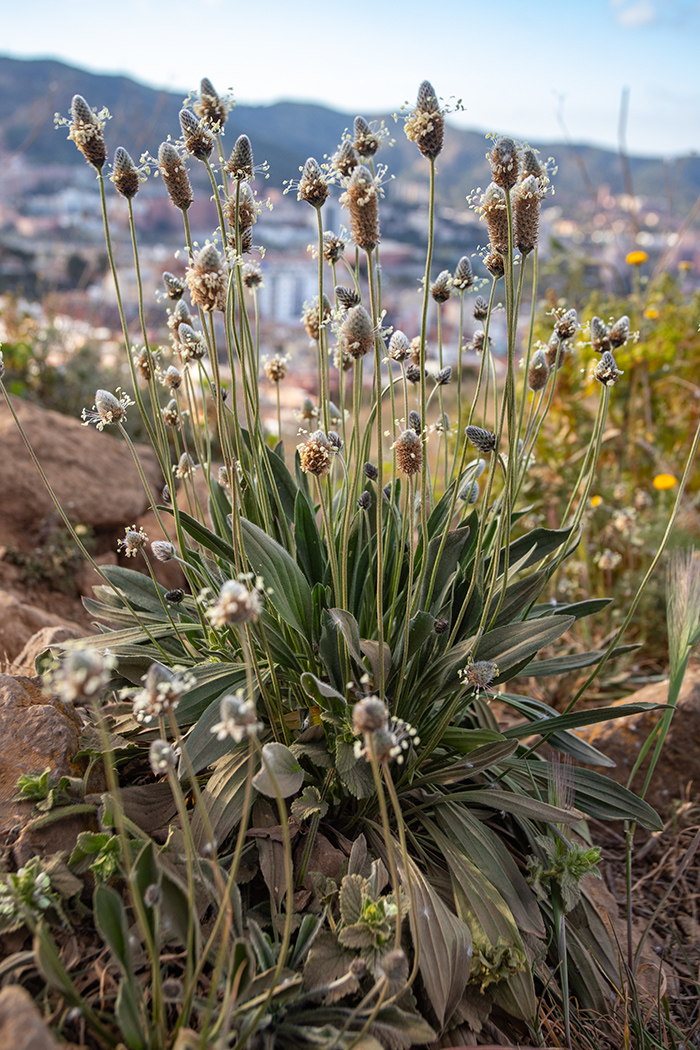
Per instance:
(286,133)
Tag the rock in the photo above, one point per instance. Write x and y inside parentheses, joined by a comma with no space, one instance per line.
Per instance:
(37,732)
(20,621)
(679,763)
(24,664)
(21,1026)
(92,474)
(86,578)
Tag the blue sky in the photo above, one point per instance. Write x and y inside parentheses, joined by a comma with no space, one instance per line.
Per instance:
(519,66)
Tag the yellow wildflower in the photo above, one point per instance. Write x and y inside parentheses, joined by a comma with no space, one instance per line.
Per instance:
(662,482)
(636,258)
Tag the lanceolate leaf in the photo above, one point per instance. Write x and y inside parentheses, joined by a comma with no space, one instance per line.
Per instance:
(290,593)
(540,543)
(280,774)
(310,553)
(508,647)
(576,719)
(445,943)
(573,662)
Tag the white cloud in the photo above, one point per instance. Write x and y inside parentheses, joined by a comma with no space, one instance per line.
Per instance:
(633,13)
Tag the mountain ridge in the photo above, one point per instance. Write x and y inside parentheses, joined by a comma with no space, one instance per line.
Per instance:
(286,133)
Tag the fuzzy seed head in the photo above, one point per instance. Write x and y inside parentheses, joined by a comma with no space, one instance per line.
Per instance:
(555,352)
(345,160)
(365,141)
(239,719)
(481,308)
(527,196)
(606,371)
(414,422)
(170,414)
(504,162)
(342,359)
(482,439)
(479,674)
(620,332)
(175,596)
(538,372)
(235,604)
(313,187)
(347,297)
(161,757)
(276,368)
(357,332)
(124,174)
(240,163)
(81,676)
(246,214)
(315,454)
(174,287)
(531,165)
(443,376)
(369,715)
(190,344)
(441,288)
(207,279)
(172,378)
(109,409)
(464,275)
(600,335)
(333,247)
(177,181)
(142,362)
(567,325)
(409,453)
(414,372)
(370,471)
(399,346)
(470,493)
(163,550)
(312,318)
(360,199)
(86,132)
(186,466)
(210,106)
(426,124)
(478,341)
(493,208)
(364,501)
(494,264)
(199,141)
(251,275)
(162,689)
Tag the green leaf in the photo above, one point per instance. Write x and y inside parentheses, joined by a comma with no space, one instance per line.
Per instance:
(308,803)
(355,774)
(127,1014)
(539,542)
(522,806)
(596,795)
(346,624)
(509,646)
(519,596)
(353,890)
(489,855)
(573,662)
(138,588)
(111,921)
(447,566)
(310,551)
(444,942)
(280,774)
(480,759)
(402,1027)
(576,609)
(217,547)
(223,797)
(576,719)
(286,490)
(326,697)
(290,593)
